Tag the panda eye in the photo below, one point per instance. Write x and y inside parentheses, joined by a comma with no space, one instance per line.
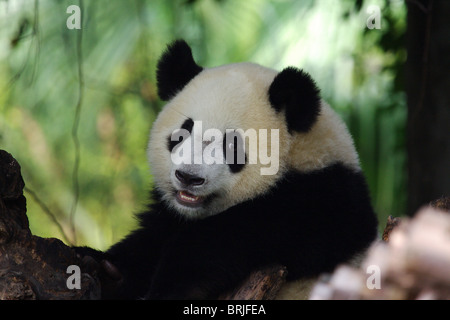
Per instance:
(234,151)
(172,143)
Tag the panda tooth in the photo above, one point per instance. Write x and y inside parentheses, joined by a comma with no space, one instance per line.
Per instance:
(188,197)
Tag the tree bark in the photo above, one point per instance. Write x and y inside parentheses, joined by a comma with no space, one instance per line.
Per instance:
(263,284)
(32,267)
(428,98)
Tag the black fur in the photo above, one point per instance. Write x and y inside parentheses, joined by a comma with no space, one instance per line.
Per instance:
(309,222)
(188,124)
(175,69)
(294,91)
(235,158)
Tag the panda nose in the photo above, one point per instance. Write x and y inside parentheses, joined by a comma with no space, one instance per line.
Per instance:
(189,179)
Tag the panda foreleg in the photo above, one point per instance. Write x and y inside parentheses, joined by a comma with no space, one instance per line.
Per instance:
(200,266)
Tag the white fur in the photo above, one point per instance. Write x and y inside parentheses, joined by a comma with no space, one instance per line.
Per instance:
(326,143)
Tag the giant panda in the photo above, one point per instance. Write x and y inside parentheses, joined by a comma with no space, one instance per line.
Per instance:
(219,209)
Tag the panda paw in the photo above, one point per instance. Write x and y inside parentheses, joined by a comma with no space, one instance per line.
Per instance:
(95,261)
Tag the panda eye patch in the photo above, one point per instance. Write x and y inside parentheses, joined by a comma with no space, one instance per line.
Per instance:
(187,125)
(234,151)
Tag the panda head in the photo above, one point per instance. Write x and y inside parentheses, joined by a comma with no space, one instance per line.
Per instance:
(229,134)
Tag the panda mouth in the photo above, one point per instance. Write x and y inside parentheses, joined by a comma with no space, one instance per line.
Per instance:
(188,199)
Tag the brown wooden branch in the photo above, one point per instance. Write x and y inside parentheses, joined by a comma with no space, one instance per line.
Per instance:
(441,204)
(391,223)
(263,284)
(32,267)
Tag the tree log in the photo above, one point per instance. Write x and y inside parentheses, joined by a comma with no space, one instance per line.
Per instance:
(32,267)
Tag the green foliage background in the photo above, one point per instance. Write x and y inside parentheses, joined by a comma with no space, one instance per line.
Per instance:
(359,71)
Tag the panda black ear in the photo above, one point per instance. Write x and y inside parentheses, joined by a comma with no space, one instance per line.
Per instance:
(175,69)
(296,92)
